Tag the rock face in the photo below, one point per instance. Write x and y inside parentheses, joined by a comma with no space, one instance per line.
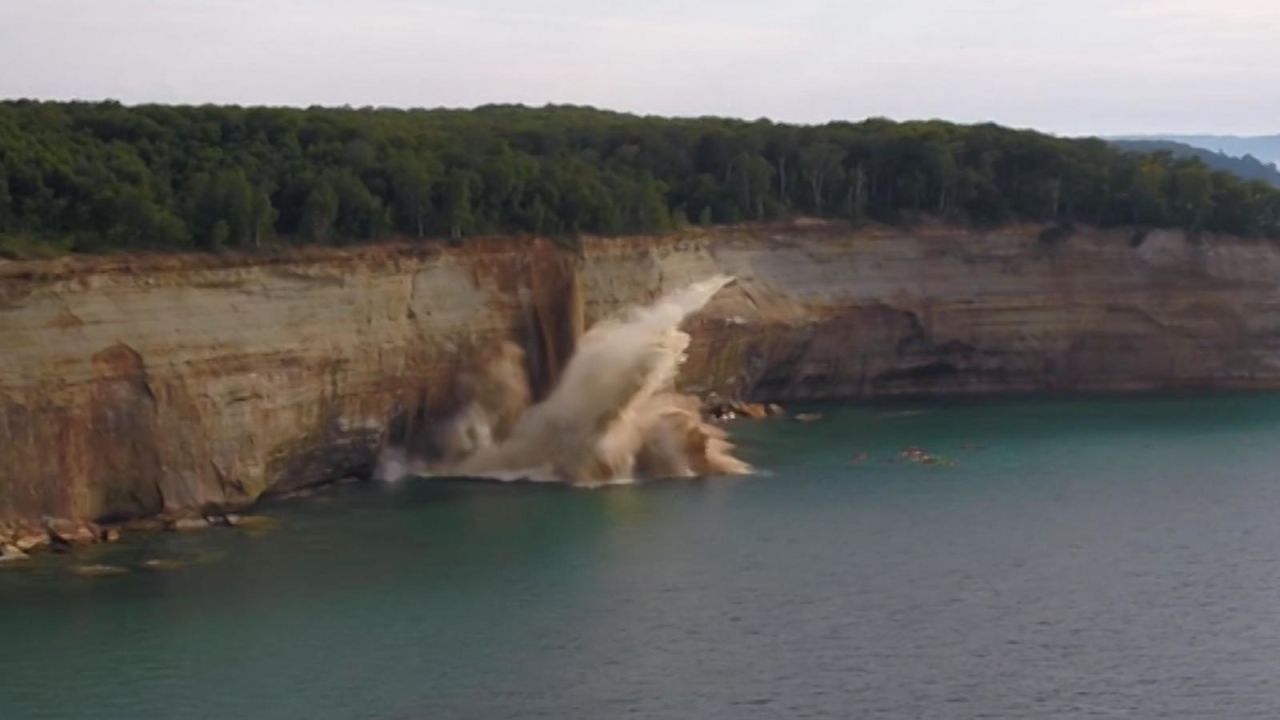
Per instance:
(822,312)
(135,385)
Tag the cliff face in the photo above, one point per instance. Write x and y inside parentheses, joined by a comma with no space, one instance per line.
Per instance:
(130,386)
(821,313)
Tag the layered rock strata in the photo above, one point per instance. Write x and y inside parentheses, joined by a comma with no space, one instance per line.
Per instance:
(133,385)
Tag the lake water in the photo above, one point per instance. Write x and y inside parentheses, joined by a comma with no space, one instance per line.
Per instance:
(1065,559)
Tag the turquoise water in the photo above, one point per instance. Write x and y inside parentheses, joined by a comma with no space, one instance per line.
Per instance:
(1067,559)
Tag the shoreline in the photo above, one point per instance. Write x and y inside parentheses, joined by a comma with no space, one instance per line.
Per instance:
(66,536)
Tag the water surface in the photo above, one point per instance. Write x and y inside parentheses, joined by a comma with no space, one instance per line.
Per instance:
(1064,559)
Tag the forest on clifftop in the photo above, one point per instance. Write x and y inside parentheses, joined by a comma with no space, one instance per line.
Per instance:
(100,176)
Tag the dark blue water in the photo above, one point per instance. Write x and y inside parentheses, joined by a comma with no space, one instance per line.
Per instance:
(1064,559)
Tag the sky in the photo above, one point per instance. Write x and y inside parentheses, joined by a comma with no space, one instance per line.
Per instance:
(1071,67)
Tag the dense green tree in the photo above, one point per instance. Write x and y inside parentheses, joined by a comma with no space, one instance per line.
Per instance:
(1147,194)
(132,219)
(412,188)
(262,215)
(458,203)
(6,212)
(319,212)
(751,177)
(1192,197)
(224,210)
(361,215)
(820,164)
(101,175)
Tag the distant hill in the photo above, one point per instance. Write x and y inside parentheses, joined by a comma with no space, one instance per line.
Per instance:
(1264,147)
(1248,167)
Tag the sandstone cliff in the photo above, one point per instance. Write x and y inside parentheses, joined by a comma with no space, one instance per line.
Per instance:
(131,385)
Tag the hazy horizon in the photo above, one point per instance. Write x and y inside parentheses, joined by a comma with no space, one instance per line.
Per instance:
(1141,67)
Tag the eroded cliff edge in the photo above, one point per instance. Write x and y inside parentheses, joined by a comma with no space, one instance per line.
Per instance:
(132,385)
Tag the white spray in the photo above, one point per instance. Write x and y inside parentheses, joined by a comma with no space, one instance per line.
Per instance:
(614,414)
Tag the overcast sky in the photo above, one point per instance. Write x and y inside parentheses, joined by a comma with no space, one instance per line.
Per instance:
(1070,66)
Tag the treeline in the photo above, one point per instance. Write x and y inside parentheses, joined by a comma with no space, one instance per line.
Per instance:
(89,176)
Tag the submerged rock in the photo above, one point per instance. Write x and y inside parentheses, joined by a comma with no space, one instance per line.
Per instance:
(917,455)
(162,564)
(299,494)
(187,524)
(921,456)
(69,532)
(11,553)
(146,524)
(253,522)
(31,540)
(98,570)
(725,410)
(807,417)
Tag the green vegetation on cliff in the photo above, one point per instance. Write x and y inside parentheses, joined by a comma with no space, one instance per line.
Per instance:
(88,176)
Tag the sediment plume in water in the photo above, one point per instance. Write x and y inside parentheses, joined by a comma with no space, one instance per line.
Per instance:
(613,415)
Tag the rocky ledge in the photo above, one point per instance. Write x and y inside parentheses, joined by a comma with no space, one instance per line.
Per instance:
(20,540)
